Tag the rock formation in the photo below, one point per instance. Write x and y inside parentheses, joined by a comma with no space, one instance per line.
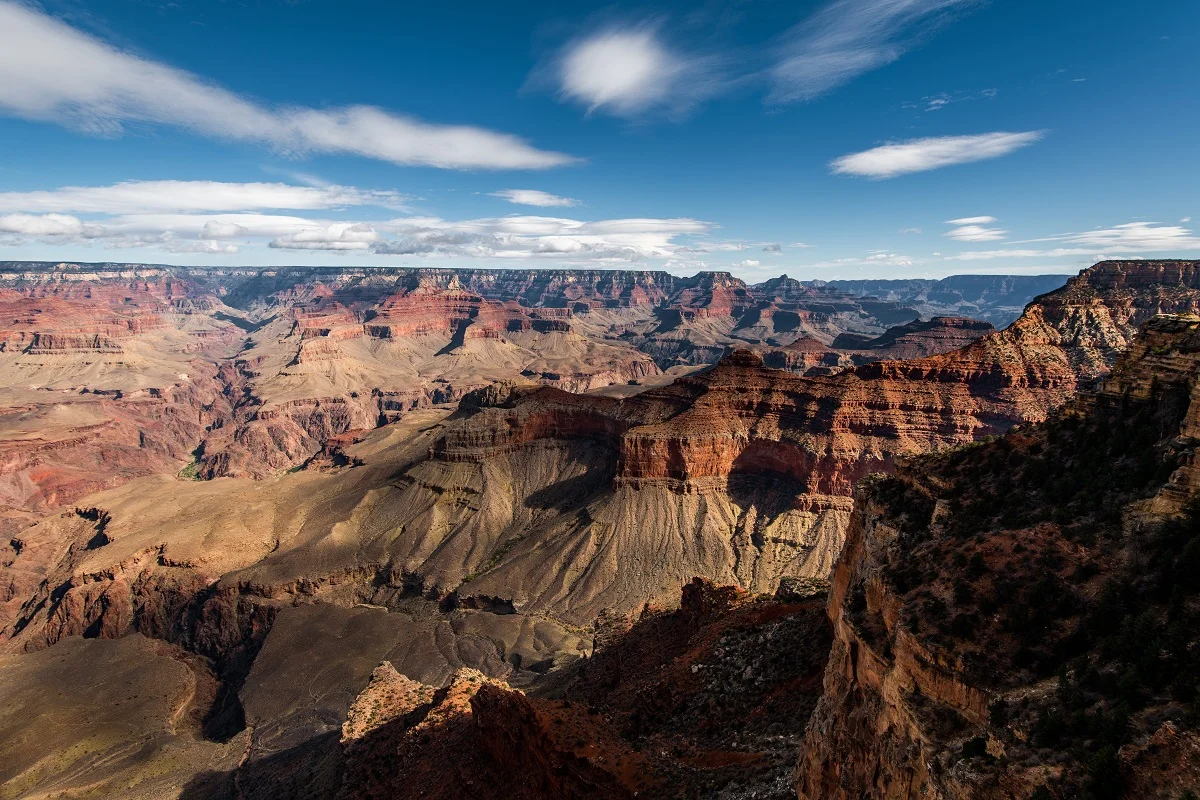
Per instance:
(686,703)
(998,299)
(298,475)
(1017,619)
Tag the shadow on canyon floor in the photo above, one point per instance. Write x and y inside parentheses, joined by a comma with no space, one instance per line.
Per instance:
(710,700)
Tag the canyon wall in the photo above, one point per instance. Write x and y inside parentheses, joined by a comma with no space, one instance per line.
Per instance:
(393,480)
(985,604)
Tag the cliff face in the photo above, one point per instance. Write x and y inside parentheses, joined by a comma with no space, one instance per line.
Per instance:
(1017,618)
(103,379)
(538,498)
(738,472)
(265,366)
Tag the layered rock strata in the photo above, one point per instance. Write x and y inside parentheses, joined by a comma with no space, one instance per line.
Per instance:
(1017,619)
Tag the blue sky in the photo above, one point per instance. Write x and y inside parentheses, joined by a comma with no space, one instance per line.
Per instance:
(839,138)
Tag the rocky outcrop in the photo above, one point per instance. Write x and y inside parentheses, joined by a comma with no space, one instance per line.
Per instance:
(985,604)
(688,703)
(918,338)
(389,696)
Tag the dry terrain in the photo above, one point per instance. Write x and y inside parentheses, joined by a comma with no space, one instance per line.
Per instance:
(350,523)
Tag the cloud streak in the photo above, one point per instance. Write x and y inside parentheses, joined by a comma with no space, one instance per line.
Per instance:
(51,72)
(134,197)
(972,229)
(920,155)
(847,38)
(509,238)
(533,197)
(1130,237)
(536,236)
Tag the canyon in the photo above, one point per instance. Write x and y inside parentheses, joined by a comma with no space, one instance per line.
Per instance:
(362,521)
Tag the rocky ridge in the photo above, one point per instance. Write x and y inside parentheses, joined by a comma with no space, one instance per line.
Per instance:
(1016,619)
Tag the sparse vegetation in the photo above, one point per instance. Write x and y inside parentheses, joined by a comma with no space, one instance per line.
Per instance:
(1039,568)
(191,472)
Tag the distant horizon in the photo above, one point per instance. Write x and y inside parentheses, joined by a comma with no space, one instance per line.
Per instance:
(10,263)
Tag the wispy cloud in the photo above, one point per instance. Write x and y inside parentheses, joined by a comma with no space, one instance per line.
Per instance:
(936,102)
(919,155)
(975,233)
(534,236)
(136,197)
(511,238)
(532,197)
(972,229)
(1131,237)
(987,255)
(881,258)
(630,71)
(52,72)
(847,38)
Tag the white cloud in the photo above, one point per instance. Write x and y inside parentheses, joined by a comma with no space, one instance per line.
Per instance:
(847,38)
(971,221)
(533,197)
(972,229)
(772,248)
(211,226)
(905,231)
(43,225)
(65,228)
(1186,219)
(976,233)
(217,229)
(166,216)
(51,72)
(1134,236)
(339,236)
(1131,237)
(135,197)
(201,246)
(749,262)
(918,155)
(534,236)
(630,71)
